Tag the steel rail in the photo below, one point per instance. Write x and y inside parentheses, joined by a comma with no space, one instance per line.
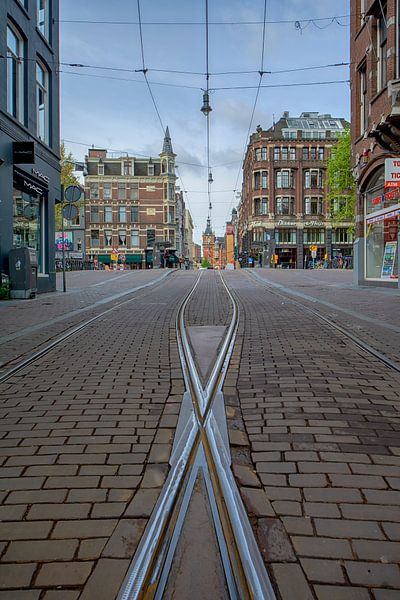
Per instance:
(242,561)
(354,338)
(60,339)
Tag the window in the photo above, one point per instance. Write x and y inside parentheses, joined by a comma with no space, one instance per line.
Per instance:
(122,237)
(43,20)
(107,237)
(94,190)
(151,237)
(285,205)
(135,238)
(171,169)
(284,153)
(313,153)
(341,235)
(362,73)
(362,11)
(313,178)
(127,167)
(171,191)
(285,236)
(42,103)
(305,153)
(100,169)
(259,234)
(108,214)
(260,206)
(134,191)
(264,180)
(107,191)
(277,153)
(257,154)
(150,169)
(284,179)
(171,236)
(263,153)
(292,153)
(94,214)
(15,75)
(382,46)
(314,236)
(121,191)
(257,180)
(94,238)
(321,154)
(134,214)
(313,205)
(122,214)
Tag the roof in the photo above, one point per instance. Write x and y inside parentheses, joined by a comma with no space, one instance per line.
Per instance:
(167,145)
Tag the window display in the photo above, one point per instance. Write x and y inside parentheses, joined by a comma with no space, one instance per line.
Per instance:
(27,222)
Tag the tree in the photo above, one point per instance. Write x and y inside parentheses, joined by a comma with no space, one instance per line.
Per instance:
(67,162)
(205,263)
(341,187)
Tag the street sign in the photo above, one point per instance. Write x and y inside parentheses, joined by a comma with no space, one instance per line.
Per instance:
(313,248)
(314,253)
(392,172)
(70,211)
(73,193)
(114,256)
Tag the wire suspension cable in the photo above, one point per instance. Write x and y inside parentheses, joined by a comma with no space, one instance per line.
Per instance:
(208,118)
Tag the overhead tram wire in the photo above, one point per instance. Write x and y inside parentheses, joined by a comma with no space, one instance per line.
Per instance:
(253,109)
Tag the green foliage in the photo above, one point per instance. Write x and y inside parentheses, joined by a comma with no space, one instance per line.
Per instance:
(67,178)
(4,290)
(341,187)
(205,263)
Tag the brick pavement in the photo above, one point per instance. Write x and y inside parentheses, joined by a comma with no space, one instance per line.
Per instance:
(373,314)
(210,305)
(85,438)
(28,325)
(314,428)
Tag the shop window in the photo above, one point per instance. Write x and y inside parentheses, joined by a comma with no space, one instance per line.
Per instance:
(284,205)
(151,237)
(314,236)
(27,223)
(134,191)
(285,236)
(135,238)
(15,74)
(42,103)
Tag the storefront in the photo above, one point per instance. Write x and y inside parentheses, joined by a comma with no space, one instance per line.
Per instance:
(381,231)
(287,258)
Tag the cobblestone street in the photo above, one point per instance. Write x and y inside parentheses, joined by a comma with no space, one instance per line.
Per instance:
(87,429)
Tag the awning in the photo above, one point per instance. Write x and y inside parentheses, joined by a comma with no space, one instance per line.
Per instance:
(133,258)
(104,258)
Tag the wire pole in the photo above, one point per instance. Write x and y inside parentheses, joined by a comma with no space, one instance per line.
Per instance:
(63,240)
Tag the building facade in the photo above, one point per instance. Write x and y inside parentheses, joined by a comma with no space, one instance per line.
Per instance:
(283,213)
(131,207)
(188,239)
(375,108)
(29,132)
(209,244)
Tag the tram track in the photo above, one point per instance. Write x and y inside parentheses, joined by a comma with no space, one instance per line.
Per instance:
(6,374)
(201,444)
(359,342)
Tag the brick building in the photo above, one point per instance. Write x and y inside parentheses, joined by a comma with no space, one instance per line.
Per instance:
(283,210)
(209,244)
(131,206)
(375,107)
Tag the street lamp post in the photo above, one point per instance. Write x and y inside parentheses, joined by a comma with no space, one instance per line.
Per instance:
(63,240)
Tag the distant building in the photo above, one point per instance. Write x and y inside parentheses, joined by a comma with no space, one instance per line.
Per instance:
(230,245)
(188,238)
(197,253)
(131,207)
(29,116)
(375,108)
(220,253)
(209,244)
(284,212)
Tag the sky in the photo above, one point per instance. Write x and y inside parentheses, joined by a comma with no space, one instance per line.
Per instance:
(111,107)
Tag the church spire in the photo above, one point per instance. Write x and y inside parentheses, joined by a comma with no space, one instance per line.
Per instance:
(208,230)
(167,145)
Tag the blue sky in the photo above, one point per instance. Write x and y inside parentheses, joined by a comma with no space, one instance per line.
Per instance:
(100,107)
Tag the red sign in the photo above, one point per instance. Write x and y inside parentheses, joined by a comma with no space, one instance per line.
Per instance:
(393,195)
(377,200)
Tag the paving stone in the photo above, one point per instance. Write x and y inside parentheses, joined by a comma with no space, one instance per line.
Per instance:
(58,511)
(286,507)
(322,547)
(321,509)
(291,582)
(373,574)
(91,549)
(379,551)
(392,530)
(273,540)
(256,502)
(333,592)
(24,530)
(238,438)
(125,538)
(326,571)
(106,579)
(65,573)
(40,550)
(348,529)
(143,503)
(246,476)
(16,576)
(298,525)
(84,529)
(20,595)
(154,476)
(386,594)
(61,595)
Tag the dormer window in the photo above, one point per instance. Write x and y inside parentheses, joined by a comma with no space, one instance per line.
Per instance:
(150,169)
(127,168)
(100,169)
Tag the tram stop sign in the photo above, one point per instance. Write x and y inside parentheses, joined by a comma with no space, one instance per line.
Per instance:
(313,254)
(73,193)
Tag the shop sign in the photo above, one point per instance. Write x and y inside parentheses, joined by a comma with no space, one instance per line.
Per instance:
(28,184)
(23,153)
(280,223)
(40,175)
(392,213)
(377,200)
(388,260)
(392,172)
(314,224)
(392,195)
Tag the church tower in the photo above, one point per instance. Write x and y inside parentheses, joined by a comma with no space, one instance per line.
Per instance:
(209,243)
(167,158)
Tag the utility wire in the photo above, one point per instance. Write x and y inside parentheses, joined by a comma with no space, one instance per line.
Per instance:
(174,85)
(209,179)
(279,85)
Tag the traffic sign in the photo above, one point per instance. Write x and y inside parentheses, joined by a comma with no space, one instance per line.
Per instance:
(313,248)
(73,193)
(114,256)
(314,253)
(69,212)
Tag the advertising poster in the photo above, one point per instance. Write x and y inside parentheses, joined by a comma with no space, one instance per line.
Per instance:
(68,241)
(389,257)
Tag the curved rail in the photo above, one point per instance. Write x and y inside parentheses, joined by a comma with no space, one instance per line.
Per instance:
(201,440)
(354,338)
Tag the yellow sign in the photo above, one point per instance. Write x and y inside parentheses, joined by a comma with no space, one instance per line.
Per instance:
(114,256)
(315,248)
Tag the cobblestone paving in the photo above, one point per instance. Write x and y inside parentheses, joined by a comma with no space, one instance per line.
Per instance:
(373,313)
(27,325)
(86,435)
(314,429)
(210,304)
